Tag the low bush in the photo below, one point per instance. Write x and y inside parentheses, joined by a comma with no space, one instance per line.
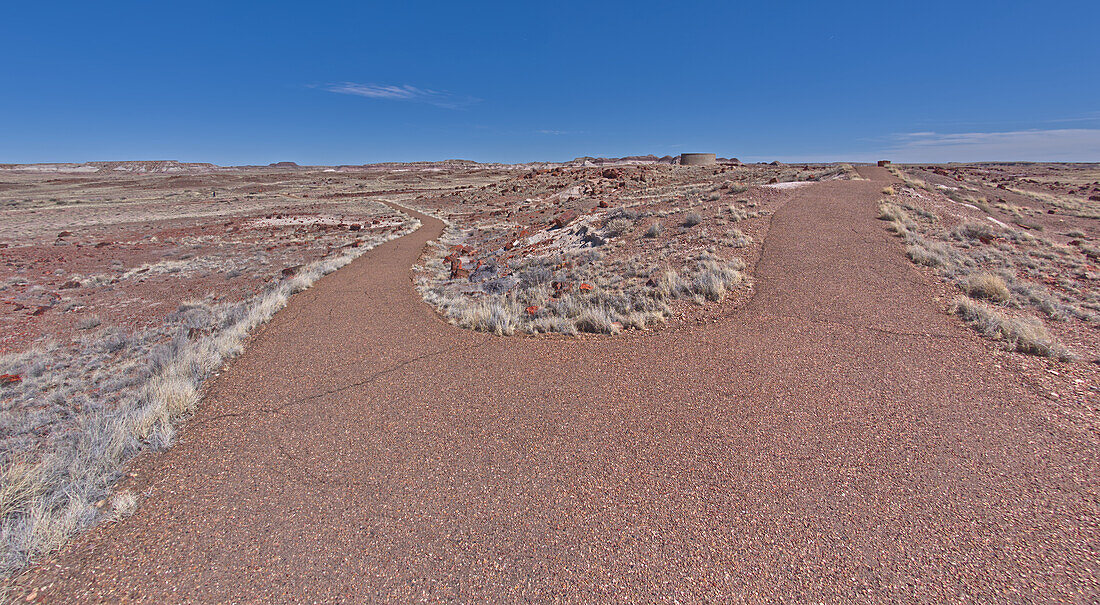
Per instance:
(987,286)
(1027,335)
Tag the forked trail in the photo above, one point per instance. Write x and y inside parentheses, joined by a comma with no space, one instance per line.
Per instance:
(836,437)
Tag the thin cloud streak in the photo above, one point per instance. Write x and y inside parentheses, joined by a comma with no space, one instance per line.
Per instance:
(404,92)
(1059,145)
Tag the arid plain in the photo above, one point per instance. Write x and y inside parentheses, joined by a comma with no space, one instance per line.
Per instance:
(606,378)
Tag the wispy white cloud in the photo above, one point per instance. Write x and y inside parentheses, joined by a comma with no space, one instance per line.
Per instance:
(1063,145)
(555,132)
(403,92)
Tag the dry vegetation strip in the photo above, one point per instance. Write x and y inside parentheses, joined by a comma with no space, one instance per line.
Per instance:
(984,260)
(577,277)
(67,487)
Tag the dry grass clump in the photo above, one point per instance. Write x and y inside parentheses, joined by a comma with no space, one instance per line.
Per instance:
(123,504)
(654,230)
(692,219)
(132,390)
(713,280)
(927,252)
(89,322)
(988,286)
(1027,335)
(888,191)
(618,226)
(739,214)
(738,238)
(974,230)
(899,220)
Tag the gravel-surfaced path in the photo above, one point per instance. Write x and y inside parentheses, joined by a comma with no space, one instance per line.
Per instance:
(836,438)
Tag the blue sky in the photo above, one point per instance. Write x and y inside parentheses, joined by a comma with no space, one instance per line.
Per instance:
(349,83)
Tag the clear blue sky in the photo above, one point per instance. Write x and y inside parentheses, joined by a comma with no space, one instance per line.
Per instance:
(355,82)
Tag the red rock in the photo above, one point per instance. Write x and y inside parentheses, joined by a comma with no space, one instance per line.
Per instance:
(604,204)
(561,287)
(586,287)
(532,310)
(565,218)
(354,227)
(457,270)
(72,283)
(64,234)
(10,378)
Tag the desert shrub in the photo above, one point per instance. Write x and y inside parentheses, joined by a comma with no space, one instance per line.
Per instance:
(501,318)
(926,252)
(972,230)
(654,230)
(889,211)
(713,279)
(535,275)
(740,214)
(1027,335)
(987,286)
(87,323)
(692,219)
(596,320)
(618,226)
(738,239)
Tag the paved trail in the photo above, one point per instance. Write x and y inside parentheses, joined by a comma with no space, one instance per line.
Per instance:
(838,437)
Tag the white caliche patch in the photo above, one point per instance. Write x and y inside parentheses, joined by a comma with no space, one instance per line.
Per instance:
(789,185)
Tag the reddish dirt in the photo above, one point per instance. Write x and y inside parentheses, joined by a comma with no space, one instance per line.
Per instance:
(838,436)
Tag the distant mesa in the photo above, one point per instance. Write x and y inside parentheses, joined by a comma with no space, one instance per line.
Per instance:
(284,165)
(686,159)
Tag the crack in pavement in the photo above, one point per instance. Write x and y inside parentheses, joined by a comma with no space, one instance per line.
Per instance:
(369,379)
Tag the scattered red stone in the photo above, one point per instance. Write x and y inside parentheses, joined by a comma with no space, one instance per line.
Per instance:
(532,310)
(565,218)
(10,378)
(586,287)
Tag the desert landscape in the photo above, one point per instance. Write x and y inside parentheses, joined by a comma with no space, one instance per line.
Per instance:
(602,379)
